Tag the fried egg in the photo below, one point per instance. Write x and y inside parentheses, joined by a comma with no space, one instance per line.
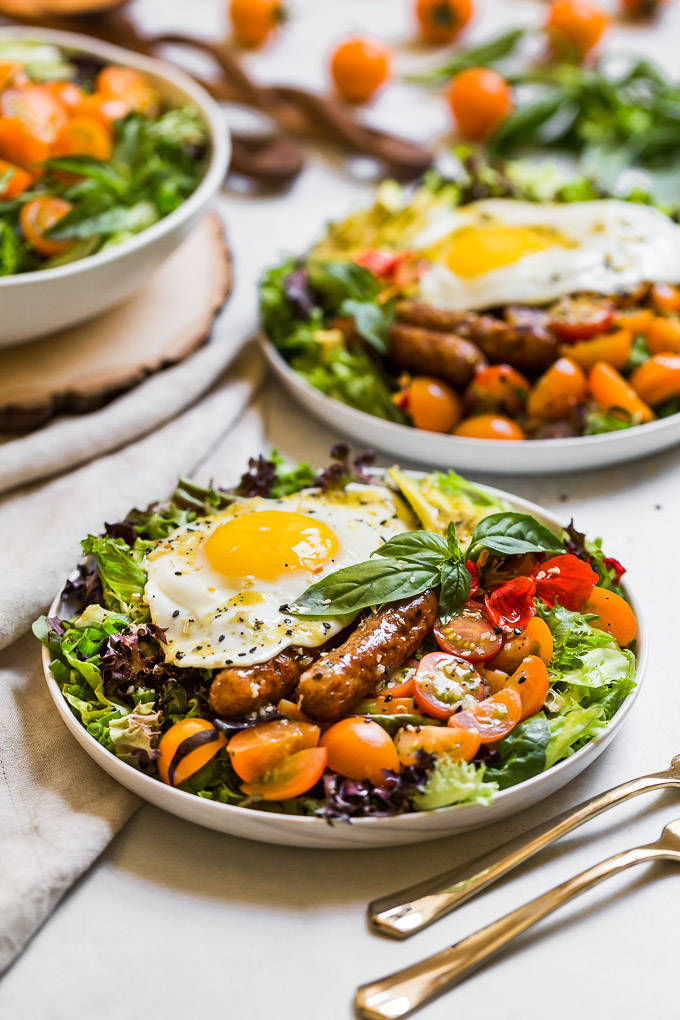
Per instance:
(501,251)
(220,586)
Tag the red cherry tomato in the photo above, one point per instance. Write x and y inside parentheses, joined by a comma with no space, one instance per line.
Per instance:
(494,717)
(470,634)
(581,318)
(445,683)
(400,683)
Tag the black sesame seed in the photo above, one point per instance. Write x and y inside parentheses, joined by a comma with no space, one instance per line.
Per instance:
(175,614)
(178,573)
(221,637)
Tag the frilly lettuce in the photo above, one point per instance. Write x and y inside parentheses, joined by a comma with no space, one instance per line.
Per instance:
(135,736)
(454,782)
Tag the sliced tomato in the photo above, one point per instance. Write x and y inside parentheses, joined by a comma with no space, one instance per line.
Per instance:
(497,388)
(492,718)
(42,114)
(532,683)
(389,705)
(290,777)
(453,740)
(40,215)
(470,634)
(290,710)
(257,750)
(186,747)
(360,749)
(400,683)
(580,318)
(535,639)
(445,683)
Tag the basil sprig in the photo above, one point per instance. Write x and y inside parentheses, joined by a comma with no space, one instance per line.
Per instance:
(409,564)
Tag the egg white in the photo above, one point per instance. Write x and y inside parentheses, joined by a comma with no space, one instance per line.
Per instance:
(611,245)
(214,621)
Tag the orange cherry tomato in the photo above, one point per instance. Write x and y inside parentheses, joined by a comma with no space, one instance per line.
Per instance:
(613,348)
(666,297)
(494,717)
(84,136)
(290,777)
(498,389)
(614,614)
(258,749)
(360,749)
(609,389)
(489,426)
(657,379)
(254,21)
(12,73)
(359,67)
(479,98)
(641,8)
(37,109)
(459,743)
(66,93)
(432,404)
(663,335)
(535,639)
(558,391)
(470,634)
(581,318)
(495,679)
(290,710)
(636,321)
(388,705)
(20,146)
(186,747)
(40,215)
(444,683)
(18,182)
(129,86)
(575,27)
(440,21)
(532,683)
(400,683)
(105,108)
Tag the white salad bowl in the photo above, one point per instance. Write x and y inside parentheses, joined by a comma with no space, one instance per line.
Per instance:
(504,457)
(293,830)
(48,300)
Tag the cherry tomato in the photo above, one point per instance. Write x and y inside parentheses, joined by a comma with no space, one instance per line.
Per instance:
(489,426)
(359,67)
(666,297)
(610,390)
(558,391)
(581,318)
(258,749)
(444,683)
(532,683)
(105,108)
(290,777)
(535,639)
(432,404)
(18,182)
(186,747)
(641,8)
(440,21)
(400,683)
(290,710)
(389,705)
(495,679)
(657,379)
(129,86)
(635,320)
(663,335)
(575,27)
(469,635)
(12,73)
(459,743)
(497,389)
(613,348)
(42,115)
(614,614)
(40,215)
(254,20)
(494,717)
(19,146)
(479,98)
(67,93)
(84,136)
(360,749)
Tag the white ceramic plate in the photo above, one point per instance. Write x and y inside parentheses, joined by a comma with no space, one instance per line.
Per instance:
(507,457)
(292,830)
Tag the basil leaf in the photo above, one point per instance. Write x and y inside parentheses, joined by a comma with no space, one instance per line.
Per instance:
(455,551)
(455,590)
(512,534)
(364,585)
(413,544)
(526,120)
(371,321)
(335,282)
(476,56)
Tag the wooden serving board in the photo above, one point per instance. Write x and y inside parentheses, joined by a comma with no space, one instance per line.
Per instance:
(82,368)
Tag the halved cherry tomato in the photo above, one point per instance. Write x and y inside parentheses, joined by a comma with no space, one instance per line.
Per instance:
(186,747)
(636,320)
(359,67)
(497,389)
(615,615)
(575,26)
(535,639)
(20,146)
(290,777)
(613,348)
(495,679)
(258,749)
(470,634)
(609,389)
(12,73)
(665,297)
(558,391)
(432,404)
(657,379)
(459,743)
(128,85)
(444,683)
(37,217)
(489,426)
(105,108)
(480,99)
(387,706)
(494,717)
(532,683)
(663,335)
(84,136)
(18,182)
(360,749)
(400,683)
(440,21)
(36,107)
(581,318)
(67,93)
(290,710)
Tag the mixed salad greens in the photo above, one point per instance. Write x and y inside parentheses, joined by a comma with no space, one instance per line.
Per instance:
(533,623)
(90,155)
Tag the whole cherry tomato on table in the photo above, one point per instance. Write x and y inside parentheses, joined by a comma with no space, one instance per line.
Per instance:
(359,67)
(253,21)
(440,21)
(575,27)
(480,98)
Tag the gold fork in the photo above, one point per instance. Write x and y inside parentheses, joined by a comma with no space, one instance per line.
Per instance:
(405,991)
(410,910)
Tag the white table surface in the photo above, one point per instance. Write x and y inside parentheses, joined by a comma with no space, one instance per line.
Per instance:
(176,921)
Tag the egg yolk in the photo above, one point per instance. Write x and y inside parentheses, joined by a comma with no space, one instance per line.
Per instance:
(472,251)
(270,543)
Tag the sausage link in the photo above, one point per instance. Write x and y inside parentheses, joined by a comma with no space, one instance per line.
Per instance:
(380,644)
(237,691)
(429,352)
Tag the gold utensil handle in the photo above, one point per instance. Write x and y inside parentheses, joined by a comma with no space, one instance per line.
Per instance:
(410,910)
(405,991)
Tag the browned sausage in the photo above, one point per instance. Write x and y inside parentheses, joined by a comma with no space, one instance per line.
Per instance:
(236,691)
(429,352)
(380,644)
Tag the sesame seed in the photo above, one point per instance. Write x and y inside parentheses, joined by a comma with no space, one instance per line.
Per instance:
(175,614)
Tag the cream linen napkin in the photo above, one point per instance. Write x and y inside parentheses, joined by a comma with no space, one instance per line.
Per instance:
(57,809)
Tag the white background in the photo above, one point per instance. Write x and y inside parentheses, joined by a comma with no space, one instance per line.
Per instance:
(180,922)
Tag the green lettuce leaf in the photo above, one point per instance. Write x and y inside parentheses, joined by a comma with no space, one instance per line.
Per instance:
(454,782)
(522,752)
(573,728)
(123,577)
